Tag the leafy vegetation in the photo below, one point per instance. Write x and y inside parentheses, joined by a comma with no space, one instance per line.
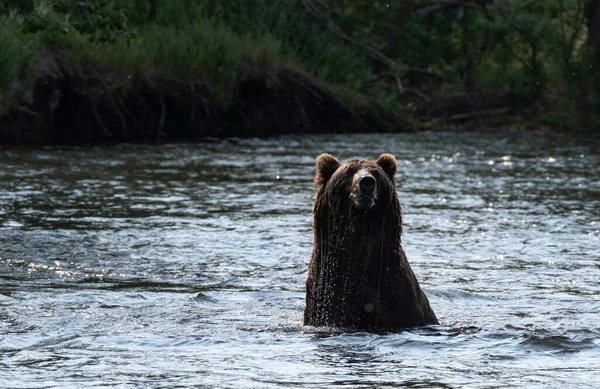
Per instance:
(438,62)
(100,20)
(17,53)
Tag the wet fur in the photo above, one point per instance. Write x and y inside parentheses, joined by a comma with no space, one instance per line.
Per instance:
(359,277)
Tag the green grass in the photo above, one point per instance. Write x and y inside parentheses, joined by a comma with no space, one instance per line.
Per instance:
(18,54)
(210,39)
(203,50)
(206,40)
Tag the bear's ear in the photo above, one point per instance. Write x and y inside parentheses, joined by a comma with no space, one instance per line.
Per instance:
(388,163)
(326,165)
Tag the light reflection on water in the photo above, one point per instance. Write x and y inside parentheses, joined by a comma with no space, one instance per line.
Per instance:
(184,265)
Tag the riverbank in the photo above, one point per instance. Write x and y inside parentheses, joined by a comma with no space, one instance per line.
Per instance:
(219,68)
(72,100)
(69,99)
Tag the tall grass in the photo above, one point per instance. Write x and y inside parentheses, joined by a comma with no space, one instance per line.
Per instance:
(18,53)
(212,37)
(266,31)
(181,41)
(305,41)
(201,39)
(203,49)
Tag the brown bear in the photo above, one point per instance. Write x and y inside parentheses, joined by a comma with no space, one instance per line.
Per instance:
(358,277)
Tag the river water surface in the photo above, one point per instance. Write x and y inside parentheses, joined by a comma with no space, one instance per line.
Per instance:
(184,265)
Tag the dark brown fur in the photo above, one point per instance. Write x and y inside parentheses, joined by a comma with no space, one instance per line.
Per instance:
(358,276)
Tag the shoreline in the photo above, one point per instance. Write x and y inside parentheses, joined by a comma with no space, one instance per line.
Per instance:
(72,101)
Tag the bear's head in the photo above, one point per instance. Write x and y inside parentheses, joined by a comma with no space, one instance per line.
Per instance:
(357,187)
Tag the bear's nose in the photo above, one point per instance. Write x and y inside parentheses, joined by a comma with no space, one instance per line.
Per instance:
(367,184)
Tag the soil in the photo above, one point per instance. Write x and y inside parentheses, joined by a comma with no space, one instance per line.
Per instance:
(71,101)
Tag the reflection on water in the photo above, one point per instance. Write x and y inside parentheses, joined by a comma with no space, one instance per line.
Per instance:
(184,265)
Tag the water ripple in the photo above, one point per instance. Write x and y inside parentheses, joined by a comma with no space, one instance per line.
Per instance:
(184,265)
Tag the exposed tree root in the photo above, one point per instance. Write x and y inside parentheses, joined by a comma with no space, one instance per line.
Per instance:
(71,101)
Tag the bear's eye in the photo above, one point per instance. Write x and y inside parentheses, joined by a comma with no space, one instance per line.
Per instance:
(350,172)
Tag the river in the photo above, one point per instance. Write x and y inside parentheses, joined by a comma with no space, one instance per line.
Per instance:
(183,265)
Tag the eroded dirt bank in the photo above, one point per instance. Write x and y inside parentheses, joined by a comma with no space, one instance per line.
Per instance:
(72,101)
